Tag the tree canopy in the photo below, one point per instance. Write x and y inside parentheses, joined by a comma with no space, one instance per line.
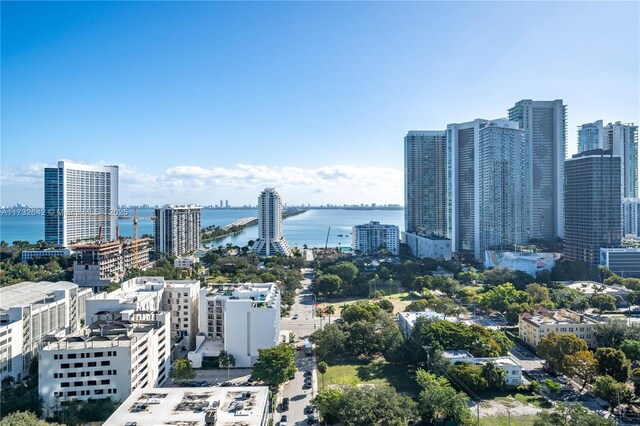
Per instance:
(275,365)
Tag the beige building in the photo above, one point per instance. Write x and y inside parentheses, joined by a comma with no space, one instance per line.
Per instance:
(532,328)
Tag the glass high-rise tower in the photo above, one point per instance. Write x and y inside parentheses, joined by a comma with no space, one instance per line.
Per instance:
(270,240)
(545,134)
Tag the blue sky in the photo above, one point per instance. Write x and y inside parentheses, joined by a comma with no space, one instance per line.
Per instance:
(204,101)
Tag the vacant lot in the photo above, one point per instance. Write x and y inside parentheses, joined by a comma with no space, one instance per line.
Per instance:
(354,372)
(504,421)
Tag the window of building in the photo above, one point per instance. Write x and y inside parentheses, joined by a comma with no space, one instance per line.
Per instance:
(72,356)
(99,391)
(98,354)
(92,383)
(91,364)
(77,383)
(78,365)
(64,384)
(105,382)
(103,363)
(99,373)
(72,393)
(64,365)
(72,374)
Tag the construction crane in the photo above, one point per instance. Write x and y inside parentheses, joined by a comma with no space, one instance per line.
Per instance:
(326,243)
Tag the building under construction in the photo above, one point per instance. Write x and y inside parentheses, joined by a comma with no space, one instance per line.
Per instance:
(99,263)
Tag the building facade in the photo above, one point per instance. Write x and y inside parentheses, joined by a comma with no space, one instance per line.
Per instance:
(529,263)
(270,240)
(81,202)
(177,229)
(51,252)
(238,318)
(425,182)
(631,216)
(593,203)
(119,352)
(505,198)
(544,124)
(622,139)
(590,136)
(532,328)
(371,237)
(97,264)
(512,368)
(29,312)
(623,261)
(427,246)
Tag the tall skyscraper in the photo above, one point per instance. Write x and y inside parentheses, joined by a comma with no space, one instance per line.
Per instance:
(270,240)
(504,205)
(630,216)
(544,124)
(622,139)
(488,192)
(592,205)
(177,229)
(590,136)
(81,202)
(425,182)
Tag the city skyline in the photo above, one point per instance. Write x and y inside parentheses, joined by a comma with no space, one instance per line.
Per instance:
(311,98)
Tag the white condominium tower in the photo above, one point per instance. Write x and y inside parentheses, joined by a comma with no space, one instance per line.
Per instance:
(488,188)
(544,124)
(620,138)
(270,240)
(177,229)
(81,202)
(425,197)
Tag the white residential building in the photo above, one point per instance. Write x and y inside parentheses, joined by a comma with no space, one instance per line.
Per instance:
(511,367)
(246,406)
(372,236)
(80,202)
(186,262)
(545,134)
(240,319)
(591,288)
(622,139)
(406,320)
(31,311)
(427,246)
(179,297)
(177,229)
(51,252)
(270,240)
(118,353)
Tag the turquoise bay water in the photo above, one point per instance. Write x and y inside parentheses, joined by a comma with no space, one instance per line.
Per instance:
(309,228)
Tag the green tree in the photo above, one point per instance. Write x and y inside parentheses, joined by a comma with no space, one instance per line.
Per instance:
(494,375)
(468,277)
(537,293)
(581,365)
(330,310)
(500,297)
(23,418)
(225,359)
(371,405)
(322,369)
(613,362)
(438,400)
(347,271)
(631,349)
(570,415)
(635,379)
(612,391)
(360,311)
(181,369)
(554,347)
(603,302)
(327,284)
(419,305)
(386,305)
(275,365)
(329,402)
(330,341)
(471,376)
(613,332)
(552,386)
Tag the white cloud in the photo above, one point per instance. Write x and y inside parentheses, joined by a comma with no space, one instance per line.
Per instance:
(336,184)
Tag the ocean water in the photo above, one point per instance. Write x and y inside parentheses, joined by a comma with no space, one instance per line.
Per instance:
(310,228)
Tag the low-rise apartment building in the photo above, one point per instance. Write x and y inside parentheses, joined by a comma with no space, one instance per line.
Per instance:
(406,320)
(30,311)
(118,353)
(512,368)
(50,252)
(239,318)
(179,297)
(532,328)
(427,246)
(186,262)
(97,264)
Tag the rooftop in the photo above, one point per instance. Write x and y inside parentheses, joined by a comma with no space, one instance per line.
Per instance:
(233,406)
(30,293)
(592,287)
(464,356)
(244,291)
(562,316)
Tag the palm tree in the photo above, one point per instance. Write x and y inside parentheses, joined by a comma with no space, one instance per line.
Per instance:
(494,375)
(322,368)
(330,310)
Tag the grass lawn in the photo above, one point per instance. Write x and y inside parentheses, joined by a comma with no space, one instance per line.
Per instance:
(504,421)
(353,372)
(399,297)
(524,398)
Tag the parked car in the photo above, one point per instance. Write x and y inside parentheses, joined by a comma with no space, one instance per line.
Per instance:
(311,419)
(283,421)
(307,373)
(308,409)
(285,404)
